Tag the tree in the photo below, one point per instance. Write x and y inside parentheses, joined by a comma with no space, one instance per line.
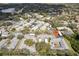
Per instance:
(21,52)
(42,48)
(25,30)
(55,24)
(74,43)
(0,37)
(10,36)
(29,42)
(6,24)
(13,29)
(70,53)
(20,37)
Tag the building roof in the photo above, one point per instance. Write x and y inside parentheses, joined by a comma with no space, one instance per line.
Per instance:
(55,33)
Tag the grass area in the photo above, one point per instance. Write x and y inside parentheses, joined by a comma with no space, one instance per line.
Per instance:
(69,45)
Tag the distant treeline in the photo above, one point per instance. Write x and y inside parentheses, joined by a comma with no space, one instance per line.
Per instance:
(56,9)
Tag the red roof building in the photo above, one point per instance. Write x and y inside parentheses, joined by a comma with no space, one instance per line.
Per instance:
(55,33)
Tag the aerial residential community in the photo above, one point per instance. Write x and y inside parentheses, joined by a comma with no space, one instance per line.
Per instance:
(39,29)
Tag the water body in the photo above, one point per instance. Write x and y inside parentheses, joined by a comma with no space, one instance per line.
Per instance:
(9,10)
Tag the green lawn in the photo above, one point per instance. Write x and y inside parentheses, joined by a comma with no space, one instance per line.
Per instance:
(69,45)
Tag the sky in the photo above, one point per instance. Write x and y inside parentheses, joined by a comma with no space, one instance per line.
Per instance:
(39,1)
